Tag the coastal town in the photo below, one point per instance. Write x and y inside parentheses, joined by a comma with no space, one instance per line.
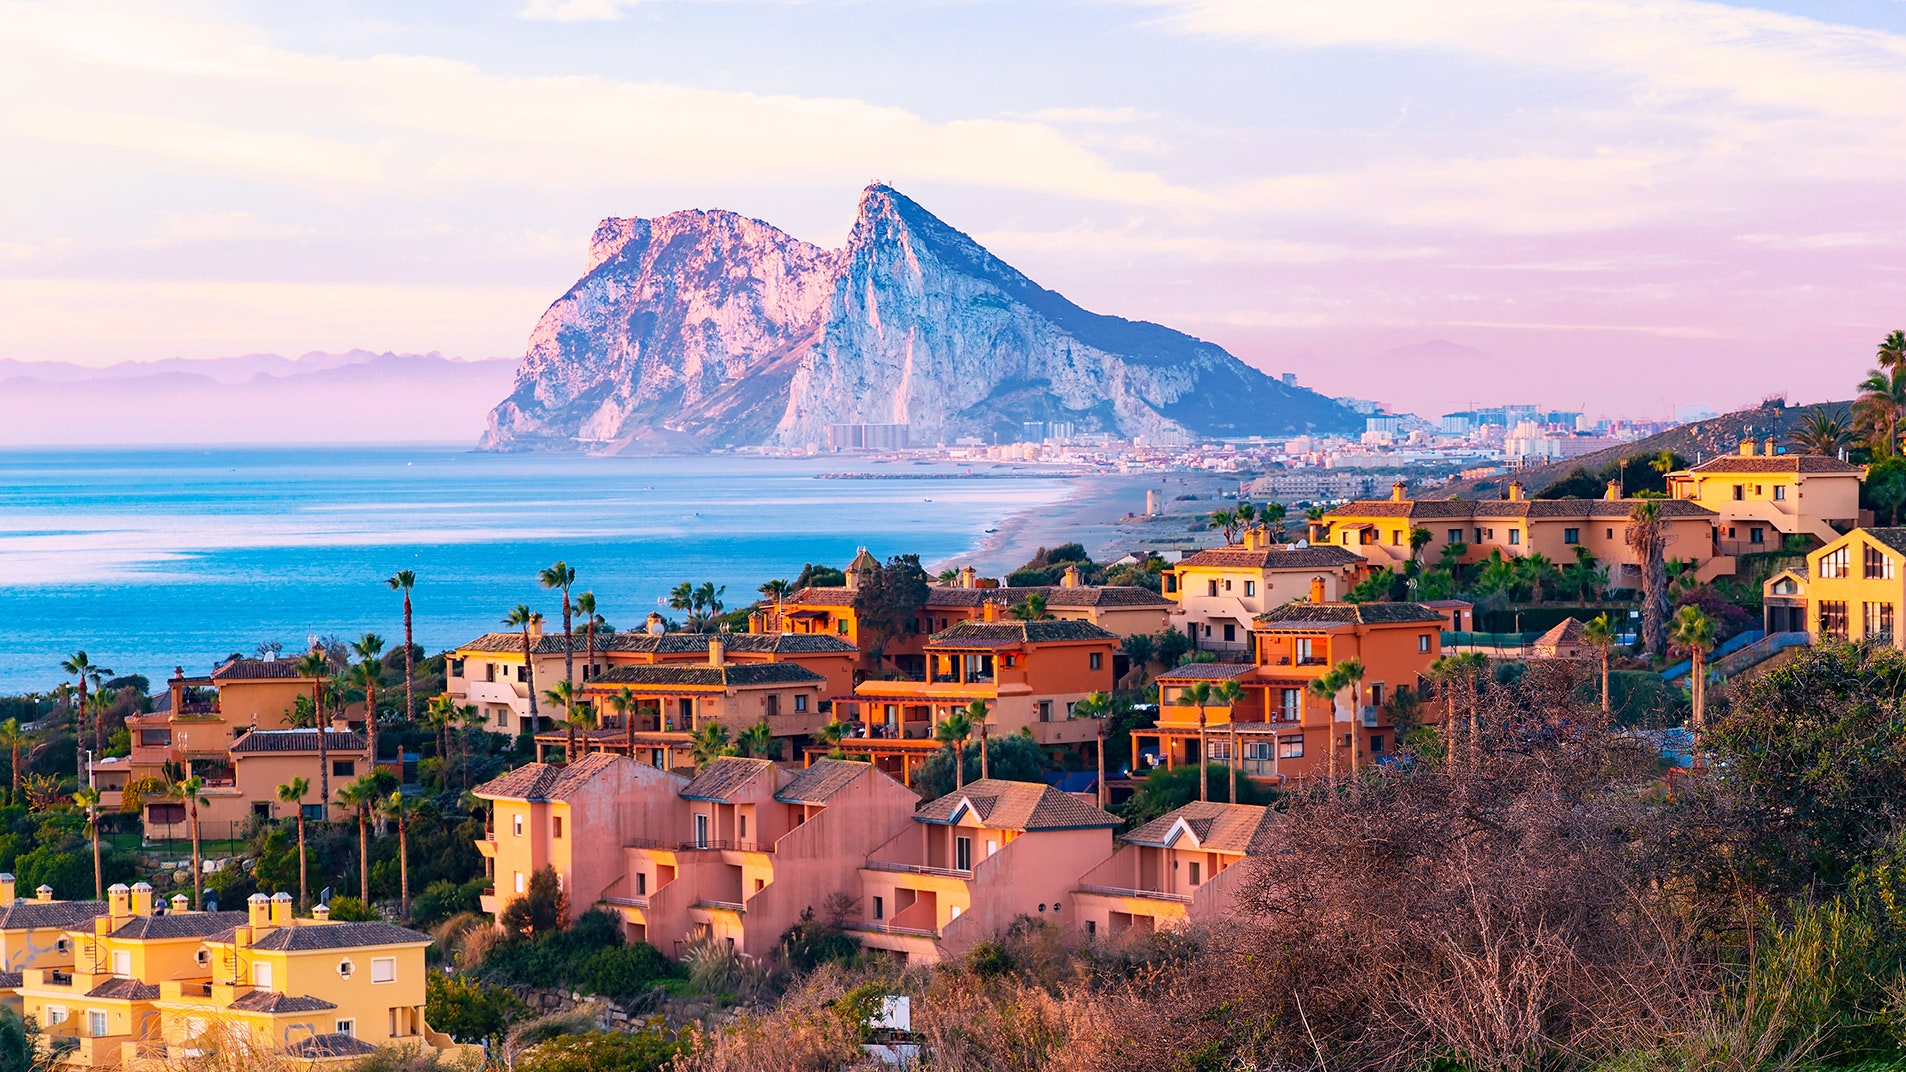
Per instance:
(642,830)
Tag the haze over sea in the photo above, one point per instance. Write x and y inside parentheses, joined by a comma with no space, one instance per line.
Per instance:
(151,559)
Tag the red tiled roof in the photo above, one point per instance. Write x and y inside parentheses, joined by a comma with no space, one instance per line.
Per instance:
(1017,806)
(1015,633)
(1299,611)
(1779,463)
(721,779)
(1321,556)
(1218,827)
(256,670)
(543,781)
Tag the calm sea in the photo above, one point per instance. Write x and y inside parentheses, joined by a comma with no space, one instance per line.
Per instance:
(152,559)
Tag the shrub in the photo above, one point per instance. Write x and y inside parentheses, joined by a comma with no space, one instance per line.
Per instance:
(349,909)
(467,1010)
(647,1050)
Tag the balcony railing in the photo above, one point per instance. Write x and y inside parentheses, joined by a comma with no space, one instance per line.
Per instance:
(721,906)
(627,902)
(710,845)
(1123,891)
(887,928)
(919,869)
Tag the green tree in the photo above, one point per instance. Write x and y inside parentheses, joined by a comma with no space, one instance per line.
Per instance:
(1013,757)
(1647,537)
(1139,650)
(1225,521)
(403,581)
(888,601)
(524,618)
(591,621)
(1693,633)
(650,1049)
(1882,400)
(953,732)
(366,676)
(88,797)
(1030,609)
(469,1011)
(186,791)
(1162,791)
(1229,694)
(402,810)
(1352,672)
(564,695)
(292,794)
(1822,431)
(1600,635)
(1172,646)
(1885,486)
(316,666)
(85,670)
(758,741)
(1199,696)
(543,909)
(12,738)
(562,575)
(710,742)
(361,796)
(1097,706)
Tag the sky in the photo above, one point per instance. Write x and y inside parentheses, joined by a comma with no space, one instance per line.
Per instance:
(1619,205)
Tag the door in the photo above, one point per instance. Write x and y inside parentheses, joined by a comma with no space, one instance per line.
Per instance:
(701,831)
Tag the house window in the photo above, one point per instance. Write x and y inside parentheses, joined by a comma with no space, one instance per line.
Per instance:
(1227,584)
(519,882)
(516,825)
(313,813)
(383,969)
(1478,535)
(346,969)
(343,768)
(1740,492)
(1833,618)
(1346,538)
(773,705)
(1455,536)
(348,1028)
(1376,694)
(1230,633)
(1834,563)
(1396,538)
(1171,582)
(1290,704)
(840,627)
(741,827)
(1096,660)
(96,1024)
(1756,535)
(800,702)
(880,908)
(261,974)
(1194,873)
(556,825)
(1290,747)
(1609,533)
(122,963)
(701,831)
(641,883)
(1045,710)
(1876,565)
(685,708)
(1211,586)
(1515,536)
(522,673)
(55,1015)
(1376,742)
(963,853)
(1422,643)
(1571,535)
(456,668)
(261,809)
(1250,588)
(1780,492)
(1878,621)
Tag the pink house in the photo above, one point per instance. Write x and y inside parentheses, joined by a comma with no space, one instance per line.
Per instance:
(757,845)
(1179,868)
(974,860)
(575,819)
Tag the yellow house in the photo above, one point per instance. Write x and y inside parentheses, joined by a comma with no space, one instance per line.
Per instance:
(1853,588)
(1180,868)
(33,931)
(1220,591)
(1760,496)
(150,987)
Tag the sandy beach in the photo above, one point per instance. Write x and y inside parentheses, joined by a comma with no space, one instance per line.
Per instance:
(1105,512)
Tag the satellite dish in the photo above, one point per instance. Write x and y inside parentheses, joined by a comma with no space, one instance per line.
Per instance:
(324,896)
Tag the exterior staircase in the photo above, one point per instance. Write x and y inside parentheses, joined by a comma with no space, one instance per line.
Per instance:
(1741,652)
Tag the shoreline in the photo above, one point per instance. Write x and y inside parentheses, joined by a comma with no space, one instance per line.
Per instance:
(1104,512)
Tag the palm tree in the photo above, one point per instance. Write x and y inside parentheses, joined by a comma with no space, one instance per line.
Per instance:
(292,794)
(1535,570)
(833,733)
(317,666)
(403,581)
(83,668)
(710,743)
(708,598)
(523,617)
(682,598)
(624,701)
(1420,538)
(399,807)
(1822,431)
(1470,666)
(777,592)
(586,606)
(1892,351)
(1352,672)
(1033,609)
(1882,400)
(88,797)
(1601,635)
(439,713)
(1225,521)
(1327,686)
(1200,696)
(186,791)
(1271,516)
(976,717)
(1140,649)
(1694,633)
(1097,706)
(362,795)
(1662,462)
(367,676)
(1229,694)
(1444,673)
(562,575)
(1647,537)
(953,732)
(565,695)
(757,741)
(11,736)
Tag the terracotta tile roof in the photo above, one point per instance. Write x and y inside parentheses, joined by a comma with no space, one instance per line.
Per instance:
(741,643)
(840,596)
(297,741)
(1217,827)
(332,1046)
(1320,556)
(256,669)
(1566,631)
(547,644)
(180,925)
(309,935)
(125,990)
(725,777)
(66,915)
(818,783)
(727,675)
(1299,611)
(1006,805)
(1207,672)
(12,980)
(1494,509)
(1779,463)
(1103,595)
(1011,634)
(1894,538)
(272,1002)
(543,781)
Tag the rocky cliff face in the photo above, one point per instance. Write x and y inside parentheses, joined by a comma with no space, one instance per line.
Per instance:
(704,329)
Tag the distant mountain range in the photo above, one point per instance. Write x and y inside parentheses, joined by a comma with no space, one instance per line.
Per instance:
(357,396)
(705,329)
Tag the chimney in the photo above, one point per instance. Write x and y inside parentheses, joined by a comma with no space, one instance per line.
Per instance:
(258,911)
(1747,447)
(322,913)
(141,898)
(1316,589)
(1767,446)
(969,577)
(1614,491)
(1151,503)
(118,901)
(44,893)
(176,687)
(180,903)
(536,627)
(1515,491)
(717,651)
(989,611)
(655,627)
(1399,492)
(6,890)
(1072,578)
(280,909)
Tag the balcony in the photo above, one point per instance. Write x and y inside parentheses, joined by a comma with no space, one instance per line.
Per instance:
(710,845)
(919,869)
(720,906)
(878,927)
(1150,895)
(627,902)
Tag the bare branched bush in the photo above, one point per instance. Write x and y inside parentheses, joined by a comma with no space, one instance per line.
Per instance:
(815,1028)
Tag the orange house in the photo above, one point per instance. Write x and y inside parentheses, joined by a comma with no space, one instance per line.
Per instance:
(973,861)
(1179,868)
(668,702)
(1283,731)
(1220,591)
